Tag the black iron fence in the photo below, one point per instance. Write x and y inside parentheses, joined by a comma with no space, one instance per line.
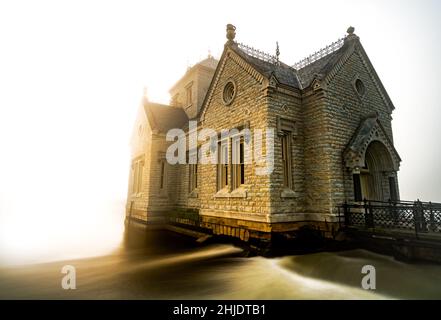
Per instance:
(409,216)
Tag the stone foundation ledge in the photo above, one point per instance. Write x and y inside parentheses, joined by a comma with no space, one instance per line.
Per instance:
(273,217)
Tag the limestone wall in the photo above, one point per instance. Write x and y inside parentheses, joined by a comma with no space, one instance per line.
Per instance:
(252,201)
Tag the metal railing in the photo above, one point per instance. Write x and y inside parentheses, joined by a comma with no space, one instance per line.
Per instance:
(415,216)
(258,53)
(319,54)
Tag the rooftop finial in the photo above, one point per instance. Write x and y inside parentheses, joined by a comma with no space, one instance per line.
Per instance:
(277,51)
(351,35)
(231,32)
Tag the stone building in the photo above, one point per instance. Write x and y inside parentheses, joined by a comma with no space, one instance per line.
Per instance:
(333,143)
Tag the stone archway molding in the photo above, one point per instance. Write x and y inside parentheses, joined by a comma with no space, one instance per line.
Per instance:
(369,130)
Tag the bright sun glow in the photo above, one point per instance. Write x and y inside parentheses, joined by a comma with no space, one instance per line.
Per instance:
(72,75)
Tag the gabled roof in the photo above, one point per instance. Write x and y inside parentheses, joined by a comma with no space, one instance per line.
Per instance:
(163,117)
(320,67)
(362,134)
(325,64)
(284,73)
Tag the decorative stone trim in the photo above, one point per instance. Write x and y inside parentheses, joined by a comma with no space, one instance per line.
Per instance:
(245,66)
(316,85)
(354,159)
(273,83)
(229,92)
(284,124)
(339,65)
(389,174)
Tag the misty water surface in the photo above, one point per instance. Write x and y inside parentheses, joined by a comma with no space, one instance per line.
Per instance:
(159,264)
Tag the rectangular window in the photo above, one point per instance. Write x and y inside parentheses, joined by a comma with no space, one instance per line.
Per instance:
(286,159)
(222,165)
(193,170)
(189,95)
(195,182)
(137,171)
(238,165)
(162,178)
(134,177)
(140,171)
(193,177)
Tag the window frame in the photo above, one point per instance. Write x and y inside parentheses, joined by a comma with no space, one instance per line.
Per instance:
(286,155)
(137,175)
(230,84)
(192,171)
(162,174)
(238,161)
(222,166)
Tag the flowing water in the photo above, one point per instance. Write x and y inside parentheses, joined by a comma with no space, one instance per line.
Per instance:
(159,264)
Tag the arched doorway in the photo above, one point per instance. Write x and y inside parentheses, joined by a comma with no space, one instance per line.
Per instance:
(373,176)
(373,162)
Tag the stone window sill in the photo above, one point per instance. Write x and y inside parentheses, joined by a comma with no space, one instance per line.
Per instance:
(239,193)
(223,193)
(288,194)
(236,193)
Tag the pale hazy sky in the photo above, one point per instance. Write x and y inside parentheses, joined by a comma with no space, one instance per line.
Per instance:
(72,74)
